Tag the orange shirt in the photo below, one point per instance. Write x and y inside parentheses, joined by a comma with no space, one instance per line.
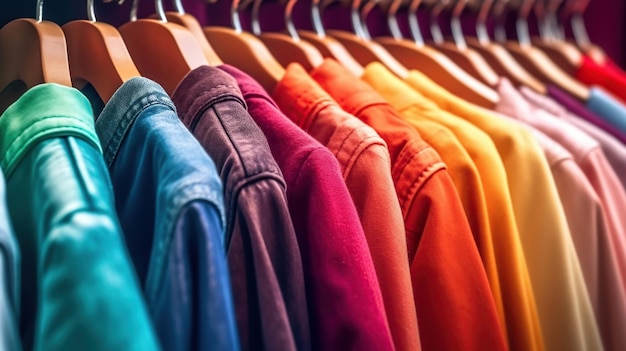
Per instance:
(520,311)
(366,169)
(563,305)
(454,303)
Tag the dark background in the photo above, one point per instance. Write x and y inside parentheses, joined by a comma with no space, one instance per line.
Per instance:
(605,19)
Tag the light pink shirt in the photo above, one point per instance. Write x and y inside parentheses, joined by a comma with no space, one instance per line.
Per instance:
(613,149)
(593,205)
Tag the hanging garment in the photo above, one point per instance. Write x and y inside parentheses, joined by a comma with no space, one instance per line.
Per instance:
(607,76)
(608,108)
(10,277)
(612,148)
(262,249)
(434,218)
(463,171)
(590,210)
(79,291)
(577,108)
(345,301)
(555,274)
(366,169)
(510,265)
(170,205)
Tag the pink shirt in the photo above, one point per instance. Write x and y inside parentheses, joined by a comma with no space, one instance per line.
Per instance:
(590,208)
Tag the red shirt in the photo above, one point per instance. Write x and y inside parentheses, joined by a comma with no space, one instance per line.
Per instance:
(345,302)
(608,76)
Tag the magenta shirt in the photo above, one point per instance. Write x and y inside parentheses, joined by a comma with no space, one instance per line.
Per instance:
(345,302)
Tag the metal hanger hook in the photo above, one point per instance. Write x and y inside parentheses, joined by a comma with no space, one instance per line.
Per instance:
(521,24)
(435,29)
(455,24)
(414,26)
(91,8)
(392,19)
(481,22)
(158,4)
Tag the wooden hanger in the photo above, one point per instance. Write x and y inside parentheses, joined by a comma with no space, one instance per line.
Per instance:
(245,51)
(363,50)
(286,48)
(458,51)
(538,63)
(180,17)
(328,46)
(498,58)
(32,51)
(439,68)
(162,51)
(97,55)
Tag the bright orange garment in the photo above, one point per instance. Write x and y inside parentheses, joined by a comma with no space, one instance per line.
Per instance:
(455,307)
(563,304)
(366,169)
(520,311)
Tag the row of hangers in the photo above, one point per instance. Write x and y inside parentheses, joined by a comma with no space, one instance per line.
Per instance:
(168,45)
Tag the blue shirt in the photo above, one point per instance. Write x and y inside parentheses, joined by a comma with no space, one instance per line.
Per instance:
(170,203)
(608,108)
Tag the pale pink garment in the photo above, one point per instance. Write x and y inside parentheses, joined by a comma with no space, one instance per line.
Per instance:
(613,149)
(595,221)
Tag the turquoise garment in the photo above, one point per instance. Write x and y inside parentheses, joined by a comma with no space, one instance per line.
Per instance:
(9,278)
(78,290)
(608,108)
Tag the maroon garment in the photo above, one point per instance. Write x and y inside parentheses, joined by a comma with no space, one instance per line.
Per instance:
(578,109)
(345,303)
(263,253)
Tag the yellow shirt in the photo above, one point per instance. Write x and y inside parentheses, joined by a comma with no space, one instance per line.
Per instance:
(520,313)
(565,313)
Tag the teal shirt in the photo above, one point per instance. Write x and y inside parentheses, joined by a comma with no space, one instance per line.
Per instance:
(78,289)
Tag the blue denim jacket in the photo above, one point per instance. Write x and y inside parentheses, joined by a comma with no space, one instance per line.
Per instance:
(170,203)
(78,289)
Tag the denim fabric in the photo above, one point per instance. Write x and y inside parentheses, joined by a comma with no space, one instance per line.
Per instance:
(170,203)
(78,290)
(9,278)
(263,251)
(608,108)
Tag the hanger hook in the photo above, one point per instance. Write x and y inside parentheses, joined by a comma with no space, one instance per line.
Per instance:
(500,12)
(178,7)
(368,6)
(291,28)
(392,19)
(455,24)
(316,18)
(576,9)
(481,22)
(553,20)
(357,25)
(158,4)
(414,26)
(435,30)
(39,11)
(521,24)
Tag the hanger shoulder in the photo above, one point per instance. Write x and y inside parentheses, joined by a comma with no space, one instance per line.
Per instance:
(366,52)
(192,24)
(540,66)
(33,52)
(164,52)
(505,65)
(287,50)
(565,55)
(442,70)
(98,56)
(470,61)
(248,53)
(331,48)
